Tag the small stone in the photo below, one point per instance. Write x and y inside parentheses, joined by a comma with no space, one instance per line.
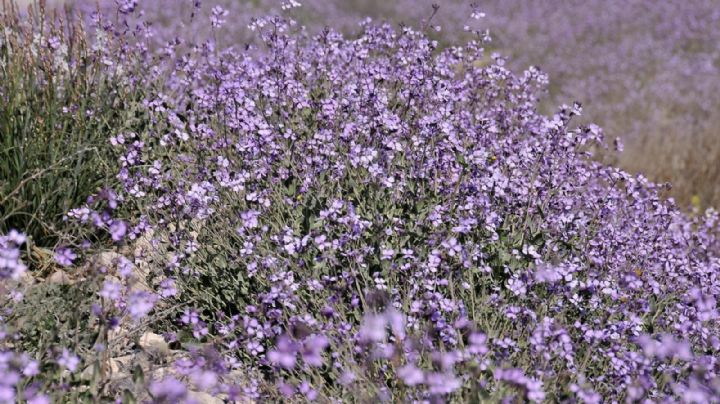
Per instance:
(137,285)
(92,265)
(144,244)
(154,344)
(59,277)
(163,372)
(204,398)
(121,363)
(107,259)
(89,373)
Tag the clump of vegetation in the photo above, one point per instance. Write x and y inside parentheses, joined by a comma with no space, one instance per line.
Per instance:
(62,92)
(320,217)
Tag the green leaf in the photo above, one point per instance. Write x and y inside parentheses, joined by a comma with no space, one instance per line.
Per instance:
(138,375)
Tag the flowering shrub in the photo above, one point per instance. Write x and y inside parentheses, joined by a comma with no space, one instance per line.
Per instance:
(648,68)
(13,366)
(376,218)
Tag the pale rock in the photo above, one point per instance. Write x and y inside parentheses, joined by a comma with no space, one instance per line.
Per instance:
(162,372)
(204,398)
(116,371)
(89,373)
(60,277)
(144,244)
(107,259)
(118,337)
(121,367)
(139,285)
(154,344)
(117,368)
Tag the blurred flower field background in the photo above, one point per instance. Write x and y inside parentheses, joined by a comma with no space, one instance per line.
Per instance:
(359,201)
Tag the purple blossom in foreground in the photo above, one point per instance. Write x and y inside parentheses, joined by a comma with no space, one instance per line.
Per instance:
(140,303)
(168,288)
(373,328)
(665,348)
(111,290)
(168,390)
(38,399)
(68,360)
(411,375)
(118,229)
(312,349)
(532,389)
(11,267)
(285,353)
(65,256)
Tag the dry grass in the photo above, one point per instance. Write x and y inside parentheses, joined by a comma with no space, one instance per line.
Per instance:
(689,161)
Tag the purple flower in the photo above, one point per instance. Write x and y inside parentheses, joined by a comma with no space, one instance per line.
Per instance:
(140,303)
(190,317)
(68,360)
(396,320)
(11,265)
(286,389)
(373,328)
(203,379)
(477,343)
(250,219)
(312,349)
(16,237)
(118,228)
(532,388)
(64,256)
(387,253)
(111,290)
(167,288)
(38,399)
(285,354)
(217,18)
(255,348)
(124,267)
(168,390)
(7,393)
(411,375)
(666,347)
(54,42)
(32,368)
(347,377)
(442,383)
(305,389)
(127,6)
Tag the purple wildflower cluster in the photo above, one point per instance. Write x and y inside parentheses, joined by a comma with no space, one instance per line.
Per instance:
(14,367)
(649,68)
(11,267)
(379,218)
(392,219)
